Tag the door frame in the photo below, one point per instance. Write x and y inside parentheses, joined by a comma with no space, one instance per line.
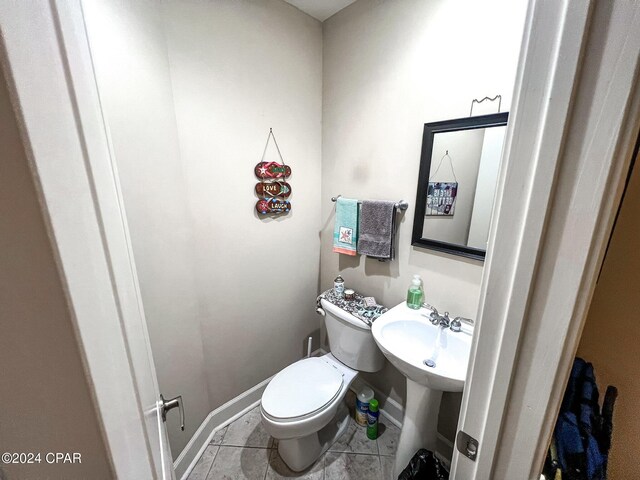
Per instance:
(572,130)
(46,60)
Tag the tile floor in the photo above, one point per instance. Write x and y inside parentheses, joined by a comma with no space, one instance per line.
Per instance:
(243,450)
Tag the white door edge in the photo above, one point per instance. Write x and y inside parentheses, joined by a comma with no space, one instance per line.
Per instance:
(567,153)
(47,60)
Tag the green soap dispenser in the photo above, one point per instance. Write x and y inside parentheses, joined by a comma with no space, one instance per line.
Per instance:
(415,295)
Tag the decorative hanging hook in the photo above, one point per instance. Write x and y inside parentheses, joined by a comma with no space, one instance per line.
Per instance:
(475,100)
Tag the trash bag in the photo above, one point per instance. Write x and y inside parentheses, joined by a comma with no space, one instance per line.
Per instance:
(424,466)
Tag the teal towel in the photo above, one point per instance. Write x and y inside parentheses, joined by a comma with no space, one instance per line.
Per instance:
(345,231)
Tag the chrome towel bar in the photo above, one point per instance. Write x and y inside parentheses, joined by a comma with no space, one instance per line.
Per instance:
(401,205)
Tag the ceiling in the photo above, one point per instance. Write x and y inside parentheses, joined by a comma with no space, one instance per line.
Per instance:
(320,9)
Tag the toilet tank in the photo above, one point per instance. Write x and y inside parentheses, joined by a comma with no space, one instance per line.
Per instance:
(351,340)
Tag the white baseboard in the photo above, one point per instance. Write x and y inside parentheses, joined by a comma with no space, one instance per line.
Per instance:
(217,419)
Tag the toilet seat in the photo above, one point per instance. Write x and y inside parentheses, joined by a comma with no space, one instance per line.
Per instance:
(301,390)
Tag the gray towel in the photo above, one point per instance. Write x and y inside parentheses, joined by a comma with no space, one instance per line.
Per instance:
(377,229)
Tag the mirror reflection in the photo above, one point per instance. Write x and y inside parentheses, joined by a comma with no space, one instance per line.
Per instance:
(456,188)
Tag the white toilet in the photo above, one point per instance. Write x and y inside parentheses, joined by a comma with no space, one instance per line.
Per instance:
(303,405)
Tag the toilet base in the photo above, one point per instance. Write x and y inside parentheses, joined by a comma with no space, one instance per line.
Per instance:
(302,452)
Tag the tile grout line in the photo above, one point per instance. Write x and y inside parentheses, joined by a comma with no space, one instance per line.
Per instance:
(266,470)
(212,462)
(214,457)
(357,453)
(226,429)
(324,465)
(245,446)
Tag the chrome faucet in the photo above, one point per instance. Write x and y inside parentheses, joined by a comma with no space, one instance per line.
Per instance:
(444,321)
(435,318)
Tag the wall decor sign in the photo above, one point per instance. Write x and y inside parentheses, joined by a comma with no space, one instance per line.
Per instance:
(441,198)
(272,188)
(273,205)
(268,170)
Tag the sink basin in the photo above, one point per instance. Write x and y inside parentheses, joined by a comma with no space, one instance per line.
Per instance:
(434,359)
(430,355)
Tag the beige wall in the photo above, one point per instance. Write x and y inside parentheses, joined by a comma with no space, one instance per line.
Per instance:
(132,67)
(612,332)
(239,68)
(390,67)
(45,400)
(190,90)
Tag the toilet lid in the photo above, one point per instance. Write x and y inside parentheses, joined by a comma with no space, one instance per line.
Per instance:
(301,389)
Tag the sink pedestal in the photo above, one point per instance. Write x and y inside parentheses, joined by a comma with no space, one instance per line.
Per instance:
(420,423)
(433,359)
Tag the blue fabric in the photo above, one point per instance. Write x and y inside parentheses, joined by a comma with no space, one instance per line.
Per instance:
(345,230)
(579,426)
(569,442)
(596,461)
(590,422)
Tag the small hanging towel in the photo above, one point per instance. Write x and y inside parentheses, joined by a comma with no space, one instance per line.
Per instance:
(377,229)
(345,231)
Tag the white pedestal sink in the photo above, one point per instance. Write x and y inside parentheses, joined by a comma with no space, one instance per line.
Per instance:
(434,359)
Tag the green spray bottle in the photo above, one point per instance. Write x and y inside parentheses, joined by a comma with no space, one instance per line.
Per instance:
(372,419)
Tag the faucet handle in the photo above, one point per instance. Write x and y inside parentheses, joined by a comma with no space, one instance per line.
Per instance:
(456,323)
(433,317)
(430,307)
(468,321)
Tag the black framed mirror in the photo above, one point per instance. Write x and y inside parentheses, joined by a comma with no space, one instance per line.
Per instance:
(459,167)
